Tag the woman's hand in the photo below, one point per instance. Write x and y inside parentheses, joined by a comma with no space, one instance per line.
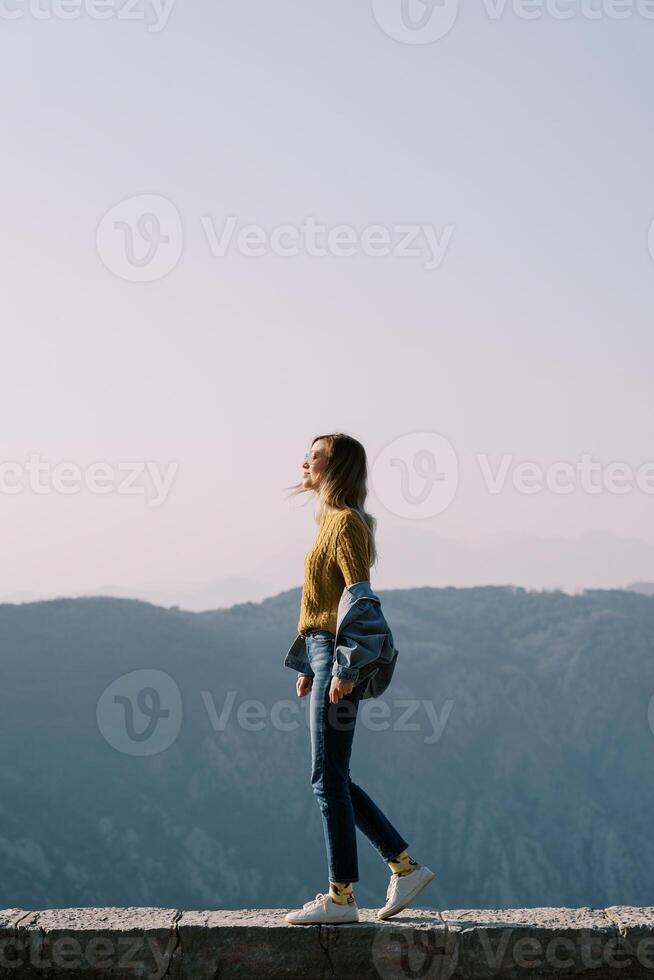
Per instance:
(303,685)
(339,688)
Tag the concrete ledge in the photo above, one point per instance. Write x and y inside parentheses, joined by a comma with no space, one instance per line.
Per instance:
(257,944)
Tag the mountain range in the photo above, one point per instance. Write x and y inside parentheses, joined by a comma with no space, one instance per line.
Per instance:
(156,756)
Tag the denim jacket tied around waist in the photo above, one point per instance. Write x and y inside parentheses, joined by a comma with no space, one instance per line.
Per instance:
(363,642)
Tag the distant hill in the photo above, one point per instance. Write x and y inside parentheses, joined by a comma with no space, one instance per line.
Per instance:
(539,790)
(646,588)
(221,593)
(410,556)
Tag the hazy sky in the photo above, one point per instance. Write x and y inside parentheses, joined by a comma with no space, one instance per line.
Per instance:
(511,156)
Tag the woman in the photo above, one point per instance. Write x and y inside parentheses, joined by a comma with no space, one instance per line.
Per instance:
(344,549)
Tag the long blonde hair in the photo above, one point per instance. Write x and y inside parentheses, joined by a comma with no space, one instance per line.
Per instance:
(344,482)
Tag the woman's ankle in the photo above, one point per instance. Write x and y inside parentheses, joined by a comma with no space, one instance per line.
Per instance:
(402,863)
(341,892)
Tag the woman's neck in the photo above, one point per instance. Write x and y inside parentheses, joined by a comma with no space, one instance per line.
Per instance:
(333,510)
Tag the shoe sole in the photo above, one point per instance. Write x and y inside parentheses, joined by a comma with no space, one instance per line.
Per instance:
(406,901)
(320,922)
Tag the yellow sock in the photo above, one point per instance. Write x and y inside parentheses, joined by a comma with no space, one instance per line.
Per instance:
(341,892)
(403,864)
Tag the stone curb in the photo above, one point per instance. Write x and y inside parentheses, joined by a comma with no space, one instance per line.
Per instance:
(258,944)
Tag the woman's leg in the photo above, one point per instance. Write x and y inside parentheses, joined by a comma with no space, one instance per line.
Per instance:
(332,730)
(378,829)
(343,804)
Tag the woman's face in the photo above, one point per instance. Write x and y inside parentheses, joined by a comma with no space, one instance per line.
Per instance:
(314,465)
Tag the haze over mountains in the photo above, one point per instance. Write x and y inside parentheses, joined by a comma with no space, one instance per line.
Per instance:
(411,557)
(515,754)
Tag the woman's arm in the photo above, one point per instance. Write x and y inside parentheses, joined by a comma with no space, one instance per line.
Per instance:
(352,552)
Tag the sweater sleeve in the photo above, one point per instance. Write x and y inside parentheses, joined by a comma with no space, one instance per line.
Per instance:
(352,552)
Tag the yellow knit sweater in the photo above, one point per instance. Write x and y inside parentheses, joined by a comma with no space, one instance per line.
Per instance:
(339,557)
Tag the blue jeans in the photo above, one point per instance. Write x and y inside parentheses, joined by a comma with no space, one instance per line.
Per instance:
(343,804)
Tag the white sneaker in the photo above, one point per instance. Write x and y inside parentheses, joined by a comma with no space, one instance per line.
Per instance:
(402,889)
(323,909)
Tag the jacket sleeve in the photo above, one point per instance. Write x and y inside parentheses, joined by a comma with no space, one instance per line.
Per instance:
(352,554)
(361,643)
